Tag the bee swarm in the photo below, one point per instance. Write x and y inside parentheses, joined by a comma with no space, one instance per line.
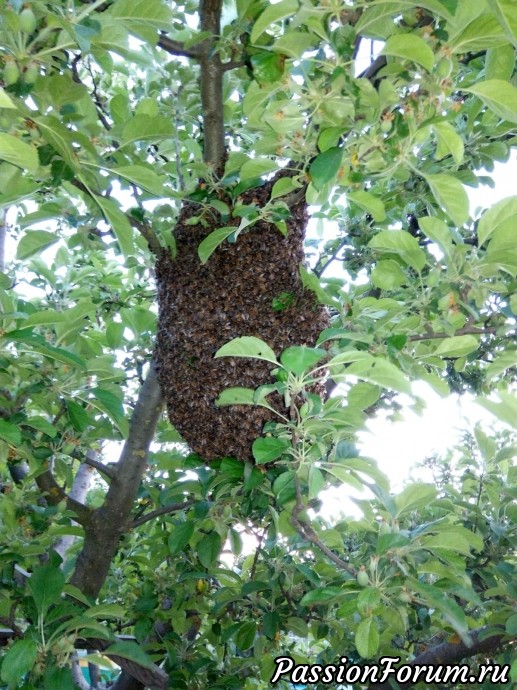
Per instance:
(202,307)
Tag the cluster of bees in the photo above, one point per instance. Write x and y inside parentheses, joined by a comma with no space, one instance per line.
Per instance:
(203,306)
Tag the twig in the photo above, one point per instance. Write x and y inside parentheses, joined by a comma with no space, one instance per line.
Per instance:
(467,330)
(101,467)
(306,532)
(177,48)
(165,510)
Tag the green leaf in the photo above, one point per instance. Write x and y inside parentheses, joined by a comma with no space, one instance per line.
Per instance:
(436,599)
(300,359)
(18,152)
(142,177)
(5,100)
(267,68)
(414,497)
(143,17)
(481,33)
(146,128)
(180,537)
(272,14)
(437,231)
(119,223)
(498,95)
(268,448)
(256,167)
(283,186)
(102,611)
(457,346)
(284,487)
(271,624)
(245,635)
(501,215)
(247,346)
(401,243)
(388,375)
(388,275)
(499,63)
(316,483)
(451,196)
(58,678)
(321,595)
(19,660)
(77,415)
(10,433)
(505,409)
(41,424)
(449,142)
(369,203)
(108,402)
(236,396)
(367,638)
(33,242)
(504,10)
(208,246)
(325,167)
(209,548)
(46,584)
(297,626)
(410,47)
(130,650)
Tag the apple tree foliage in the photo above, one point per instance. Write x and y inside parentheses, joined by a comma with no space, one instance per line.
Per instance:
(193,575)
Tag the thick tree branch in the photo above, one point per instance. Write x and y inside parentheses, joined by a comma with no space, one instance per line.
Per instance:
(110,521)
(452,652)
(166,510)
(211,86)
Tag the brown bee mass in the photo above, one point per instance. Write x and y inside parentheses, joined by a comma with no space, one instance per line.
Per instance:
(202,307)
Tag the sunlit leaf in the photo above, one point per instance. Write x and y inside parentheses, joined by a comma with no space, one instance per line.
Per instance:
(247,346)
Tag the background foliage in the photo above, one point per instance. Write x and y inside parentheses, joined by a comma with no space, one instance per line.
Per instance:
(111,114)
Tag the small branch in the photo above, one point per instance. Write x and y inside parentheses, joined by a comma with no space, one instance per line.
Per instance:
(468,330)
(166,510)
(54,494)
(101,467)
(372,70)
(306,532)
(260,539)
(233,64)
(144,229)
(449,653)
(177,48)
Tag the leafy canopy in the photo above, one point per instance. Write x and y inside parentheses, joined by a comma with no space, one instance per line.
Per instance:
(110,114)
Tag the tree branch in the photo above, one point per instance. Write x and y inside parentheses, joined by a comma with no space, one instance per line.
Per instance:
(147,233)
(107,523)
(467,330)
(166,510)
(54,494)
(452,652)
(306,532)
(177,48)
(211,86)
(99,466)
